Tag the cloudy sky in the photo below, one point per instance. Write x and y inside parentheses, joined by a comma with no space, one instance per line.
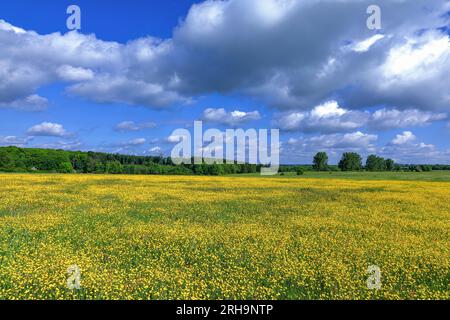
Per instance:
(137,70)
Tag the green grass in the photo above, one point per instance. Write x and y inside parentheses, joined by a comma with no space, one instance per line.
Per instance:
(437,176)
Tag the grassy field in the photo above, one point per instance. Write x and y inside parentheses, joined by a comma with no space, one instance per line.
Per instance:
(443,176)
(163,237)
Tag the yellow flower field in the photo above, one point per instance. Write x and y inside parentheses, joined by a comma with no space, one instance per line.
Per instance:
(163,237)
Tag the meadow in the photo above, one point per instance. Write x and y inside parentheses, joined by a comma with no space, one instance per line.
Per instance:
(436,176)
(185,237)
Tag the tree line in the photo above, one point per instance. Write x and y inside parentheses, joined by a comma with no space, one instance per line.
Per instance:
(352,161)
(14,159)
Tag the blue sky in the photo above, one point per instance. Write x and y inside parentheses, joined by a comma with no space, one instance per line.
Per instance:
(329,83)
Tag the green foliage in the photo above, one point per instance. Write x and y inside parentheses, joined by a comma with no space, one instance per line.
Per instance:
(65,167)
(295,169)
(216,170)
(13,159)
(320,162)
(375,163)
(113,167)
(6,160)
(79,161)
(390,165)
(350,161)
(378,164)
(440,167)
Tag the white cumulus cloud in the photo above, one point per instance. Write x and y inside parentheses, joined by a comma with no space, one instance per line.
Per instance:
(232,118)
(33,102)
(14,141)
(404,138)
(133,126)
(263,49)
(48,129)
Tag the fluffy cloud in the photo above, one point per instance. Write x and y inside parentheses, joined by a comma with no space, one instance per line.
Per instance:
(411,75)
(136,142)
(349,141)
(63,145)
(33,102)
(155,150)
(393,118)
(100,70)
(404,138)
(326,118)
(48,129)
(70,73)
(174,139)
(302,150)
(366,44)
(130,147)
(133,126)
(331,118)
(265,49)
(14,141)
(309,65)
(356,140)
(233,118)
(119,89)
(404,148)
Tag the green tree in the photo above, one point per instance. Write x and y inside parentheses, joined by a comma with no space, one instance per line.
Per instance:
(114,167)
(390,165)
(350,161)
(79,161)
(375,163)
(216,170)
(6,160)
(65,167)
(320,162)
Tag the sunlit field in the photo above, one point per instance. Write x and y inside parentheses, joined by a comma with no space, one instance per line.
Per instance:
(164,237)
(436,176)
